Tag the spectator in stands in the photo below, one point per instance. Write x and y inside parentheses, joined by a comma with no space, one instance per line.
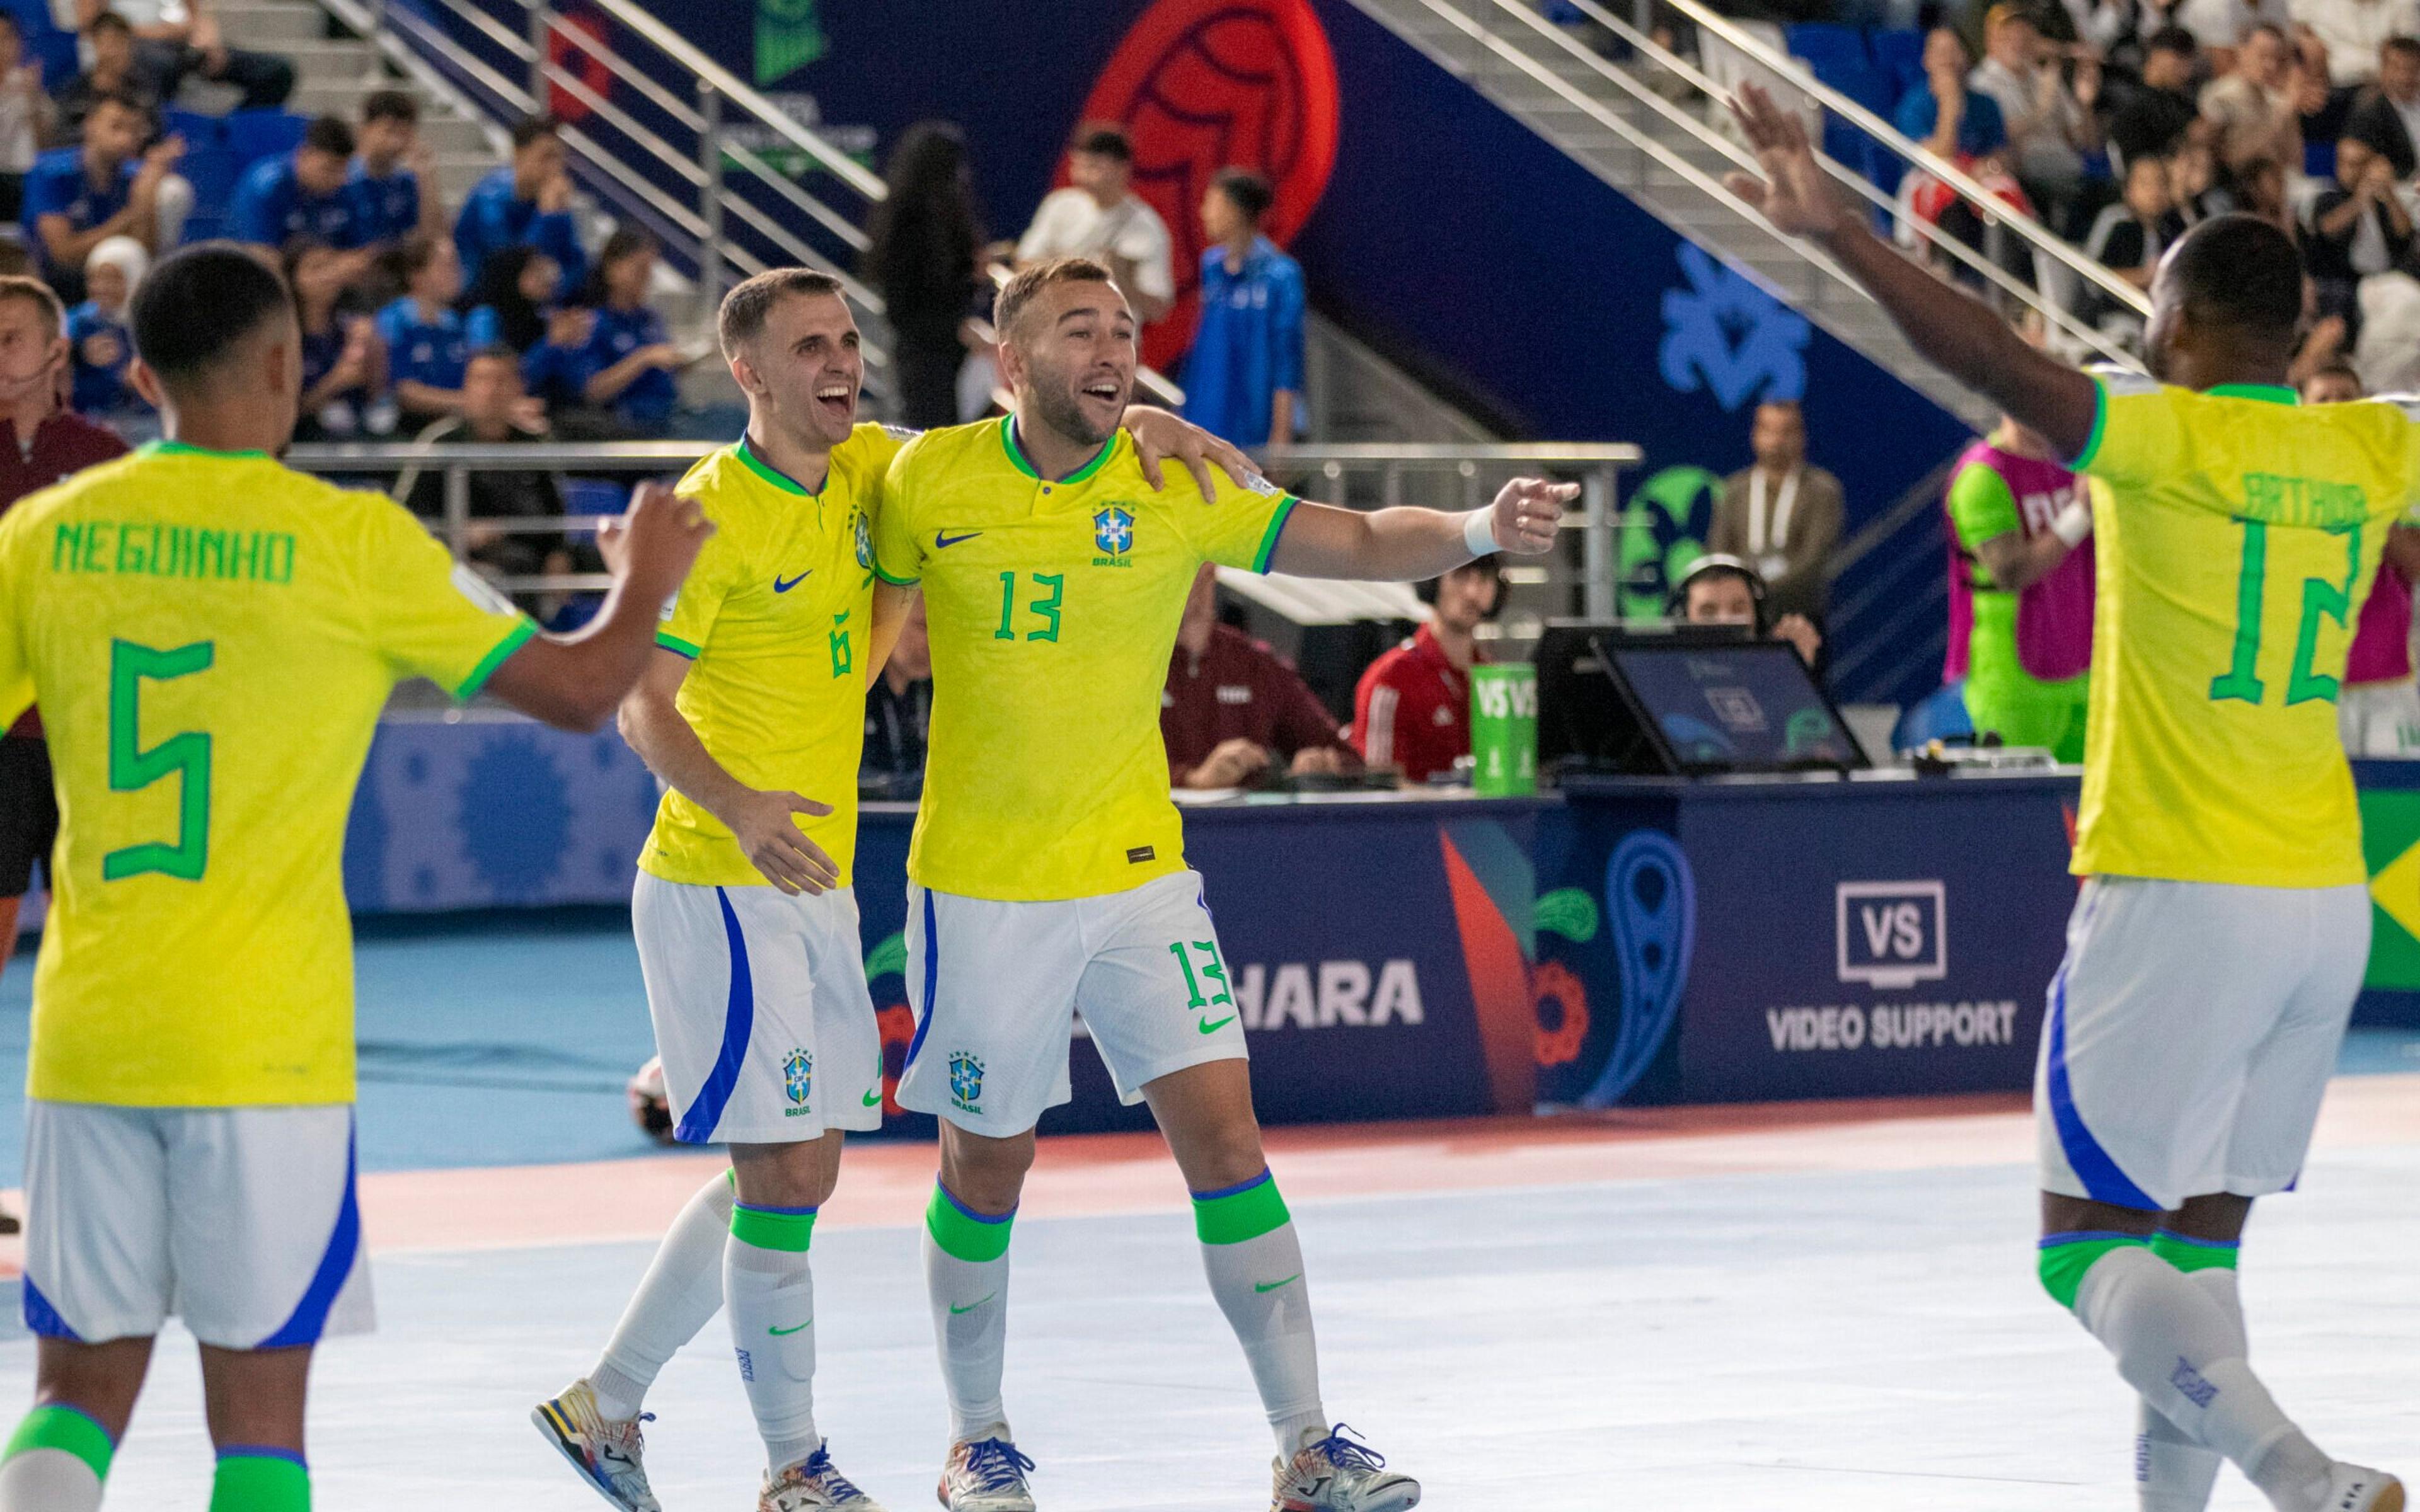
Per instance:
(1720,589)
(1234,710)
(1782,516)
(495,411)
(2377,712)
(1100,216)
(557,370)
(395,176)
(109,186)
(2353,31)
(25,115)
(2258,108)
(110,39)
(2194,192)
(509,302)
(631,357)
(2155,117)
(924,240)
(345,393)
(899,715)
(1243,380)
(1412,709)
(2127,238)
(2021,592)
(2357,228)
(177,40)
(45,443)
(1953,122)
(2051,125)
(100,340)
(306,194)
(527,201)
(2386,117)
(427,349)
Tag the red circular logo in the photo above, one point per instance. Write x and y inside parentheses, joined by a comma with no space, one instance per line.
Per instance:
(564,51)
(1206,85)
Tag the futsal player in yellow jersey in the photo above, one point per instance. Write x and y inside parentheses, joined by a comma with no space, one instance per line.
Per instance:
(2224,925)
(1048,870)
(212,638)
(753,713)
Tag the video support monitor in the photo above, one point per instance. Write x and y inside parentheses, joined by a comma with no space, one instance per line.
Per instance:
(1749,708)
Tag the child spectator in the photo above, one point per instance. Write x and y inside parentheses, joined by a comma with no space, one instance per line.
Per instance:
(631,354)
(556,372)
(99,343)
(2127,240)
(528,200)
(344,362)
(1244,378)
(425,345)
(2357,227)
(111,41)
(395,177)
(508,306)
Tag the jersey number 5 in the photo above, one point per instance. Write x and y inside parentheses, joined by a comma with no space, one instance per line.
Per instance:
(2242,679)
(131,768)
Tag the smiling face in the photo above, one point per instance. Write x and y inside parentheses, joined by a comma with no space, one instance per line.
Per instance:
(1070,359)
(802,372)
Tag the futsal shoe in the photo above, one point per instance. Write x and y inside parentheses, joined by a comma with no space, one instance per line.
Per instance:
(812,1487)
(1332,1473)
(987,1474)
(609,1455)
(2356,1489)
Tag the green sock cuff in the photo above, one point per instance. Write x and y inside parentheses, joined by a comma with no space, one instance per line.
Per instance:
(67,1430)
(790,1230)
(963,1233)
(2065,1257)
(260,1480)
(1240,1213)
(2191,1255)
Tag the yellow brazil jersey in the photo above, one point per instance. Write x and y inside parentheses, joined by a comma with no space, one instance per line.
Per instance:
(774,616)
(2236,543)
(1052,609)
(212,638)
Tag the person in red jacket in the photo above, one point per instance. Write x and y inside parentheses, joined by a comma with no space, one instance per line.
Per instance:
(46,442)
(1412,710)
(1234,708)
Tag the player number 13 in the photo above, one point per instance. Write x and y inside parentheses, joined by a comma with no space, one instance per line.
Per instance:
(2321,598)
(1042,606)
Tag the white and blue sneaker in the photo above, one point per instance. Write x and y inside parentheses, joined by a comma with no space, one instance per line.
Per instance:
(987,1474)
(1330,1473)
(610,1455)
(812,1486)
(2359,1489)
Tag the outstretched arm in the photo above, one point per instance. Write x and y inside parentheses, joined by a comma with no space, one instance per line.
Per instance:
(1414,545)
(1955,331)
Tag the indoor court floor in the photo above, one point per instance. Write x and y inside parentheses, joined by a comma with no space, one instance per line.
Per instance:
(1820,1308)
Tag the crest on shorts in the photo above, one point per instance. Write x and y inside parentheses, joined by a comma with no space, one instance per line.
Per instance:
(865,540)
(965,1081)
(1113,530)
(799,1076)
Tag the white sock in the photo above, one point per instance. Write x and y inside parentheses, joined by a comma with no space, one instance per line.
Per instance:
(680,1295)
(2173,1471)
(48,1480)
(1256,1273)
(2177,1347)
(966,1274)
(770,1291)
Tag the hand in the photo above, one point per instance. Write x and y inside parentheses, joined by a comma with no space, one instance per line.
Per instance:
(100,350)
(765,826)
(1318,760)
(1233,764)
(1159,435)
(1794,193)
(528,413)
(570,327)
(664,533)
(422,160)
(1528,512)
(663,354)
(554,195)
(2087,80)
(2327,338)
(1795,629)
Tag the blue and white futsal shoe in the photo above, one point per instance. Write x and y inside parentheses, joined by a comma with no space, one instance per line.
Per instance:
(609,1455)
(987,1474)
(812,1486)
(1330,1473)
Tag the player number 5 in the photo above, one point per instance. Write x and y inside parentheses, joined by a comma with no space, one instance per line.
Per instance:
(133,769)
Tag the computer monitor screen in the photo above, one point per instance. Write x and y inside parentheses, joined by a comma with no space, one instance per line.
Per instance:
(1751,707)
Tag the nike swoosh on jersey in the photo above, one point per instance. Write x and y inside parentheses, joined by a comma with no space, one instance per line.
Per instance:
(942,541)
(786,1332)
(874,1097)
(1213,1025)
(781,585)
(1264,1287)
(961,1312)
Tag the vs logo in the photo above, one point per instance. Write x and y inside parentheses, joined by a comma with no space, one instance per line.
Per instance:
(1892,934)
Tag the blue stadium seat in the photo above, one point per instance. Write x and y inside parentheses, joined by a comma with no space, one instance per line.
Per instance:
(1900,54)
(1828,48)
(254,134)
(594,495)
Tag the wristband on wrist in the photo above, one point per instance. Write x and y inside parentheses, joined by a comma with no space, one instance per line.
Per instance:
(1479,532)
(2073,524)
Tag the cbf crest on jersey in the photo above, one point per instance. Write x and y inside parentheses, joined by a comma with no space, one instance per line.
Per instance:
(865,540)
(965,1081)
(799,1077)
(1113,533)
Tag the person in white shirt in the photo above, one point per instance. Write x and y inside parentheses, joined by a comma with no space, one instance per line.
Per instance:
(2256,108)
(2355,30)
(2050,126)
(1101,217)
(25,115)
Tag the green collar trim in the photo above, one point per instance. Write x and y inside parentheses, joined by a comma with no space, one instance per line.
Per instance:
(1016,454)
(774,475)
(2265,393)
(171,448)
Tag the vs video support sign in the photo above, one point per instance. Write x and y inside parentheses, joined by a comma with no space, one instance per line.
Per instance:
(1895,939)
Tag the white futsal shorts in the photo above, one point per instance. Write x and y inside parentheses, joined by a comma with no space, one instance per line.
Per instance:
(997,986)
(2192,1031)
(2380,719)
(244,1222)
(762,1017)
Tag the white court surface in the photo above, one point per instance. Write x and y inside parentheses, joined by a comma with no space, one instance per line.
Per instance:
(1825,1317)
